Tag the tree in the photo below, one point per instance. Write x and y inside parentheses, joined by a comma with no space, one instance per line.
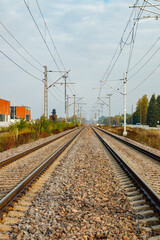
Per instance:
(158,107)
(144,109)
(135,117)
(138,110)
(152,114)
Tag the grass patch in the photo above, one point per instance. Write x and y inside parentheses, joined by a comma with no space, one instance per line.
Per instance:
(149,138)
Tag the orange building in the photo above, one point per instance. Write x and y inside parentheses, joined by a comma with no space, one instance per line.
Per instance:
(4,110)
(21,112)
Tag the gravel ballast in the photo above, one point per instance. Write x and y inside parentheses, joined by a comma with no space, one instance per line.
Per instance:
(81,200)
(148,169)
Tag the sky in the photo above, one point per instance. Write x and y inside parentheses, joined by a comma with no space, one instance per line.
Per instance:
(85,34)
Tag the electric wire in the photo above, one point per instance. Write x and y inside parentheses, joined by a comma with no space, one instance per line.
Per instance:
(144,55)
(50,34)
(122,41)
(54,97)
(41,35)
(144,80)
(20,66)
(121,49)
(134,37)
(131,47)
(60,92)
(20,44)
(144,64)
(119,44)
(52,81)
(52,39)
(20,54)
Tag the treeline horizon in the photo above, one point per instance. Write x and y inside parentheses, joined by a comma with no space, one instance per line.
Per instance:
(147,113)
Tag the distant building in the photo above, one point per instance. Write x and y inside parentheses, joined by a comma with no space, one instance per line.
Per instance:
(7,112)
(21,112)
(4,110)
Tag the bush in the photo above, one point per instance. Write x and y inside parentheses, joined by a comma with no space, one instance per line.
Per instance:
(23,132)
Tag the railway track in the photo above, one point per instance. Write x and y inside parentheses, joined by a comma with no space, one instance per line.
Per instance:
(145,164)
(20,171)
(13,209)
(145,201)
(30,150)
(147,153)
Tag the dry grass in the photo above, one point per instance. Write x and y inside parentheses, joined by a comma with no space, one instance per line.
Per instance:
(32,132)
(149,138)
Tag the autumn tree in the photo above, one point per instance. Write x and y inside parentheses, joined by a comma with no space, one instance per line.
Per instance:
(144,109)
(138,110)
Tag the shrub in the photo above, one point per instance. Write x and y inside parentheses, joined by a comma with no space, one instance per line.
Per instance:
(23,132)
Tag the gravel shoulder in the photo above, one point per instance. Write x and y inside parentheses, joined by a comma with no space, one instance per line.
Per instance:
(144,166)
(81,200)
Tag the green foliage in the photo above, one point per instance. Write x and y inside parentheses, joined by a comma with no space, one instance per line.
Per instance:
(152,115)
(158,107)
(141,110)
(23,131)
(22,124)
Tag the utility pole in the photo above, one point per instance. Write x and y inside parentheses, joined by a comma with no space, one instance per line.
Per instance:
(74,105)
(124,94)
(65,76)
(104,103)
(65,92)
(67,107)
(74,102)
(79,110)
(45,93)
(109,95)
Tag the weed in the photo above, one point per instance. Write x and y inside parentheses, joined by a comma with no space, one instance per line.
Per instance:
(23,132)
(147,137)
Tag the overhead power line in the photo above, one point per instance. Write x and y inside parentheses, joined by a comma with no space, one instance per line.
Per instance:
(144,80)
(55,97)
(20,66)
(144,55)
(122,43)
(144,64)
(21,45)
(41,35)
(53,42)
(20,54)
(50,34)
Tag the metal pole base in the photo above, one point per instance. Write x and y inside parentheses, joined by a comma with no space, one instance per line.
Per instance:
(124,134)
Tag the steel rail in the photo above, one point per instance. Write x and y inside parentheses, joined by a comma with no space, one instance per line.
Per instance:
(148,192)
(11,196)
(149,154)
(30,150)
